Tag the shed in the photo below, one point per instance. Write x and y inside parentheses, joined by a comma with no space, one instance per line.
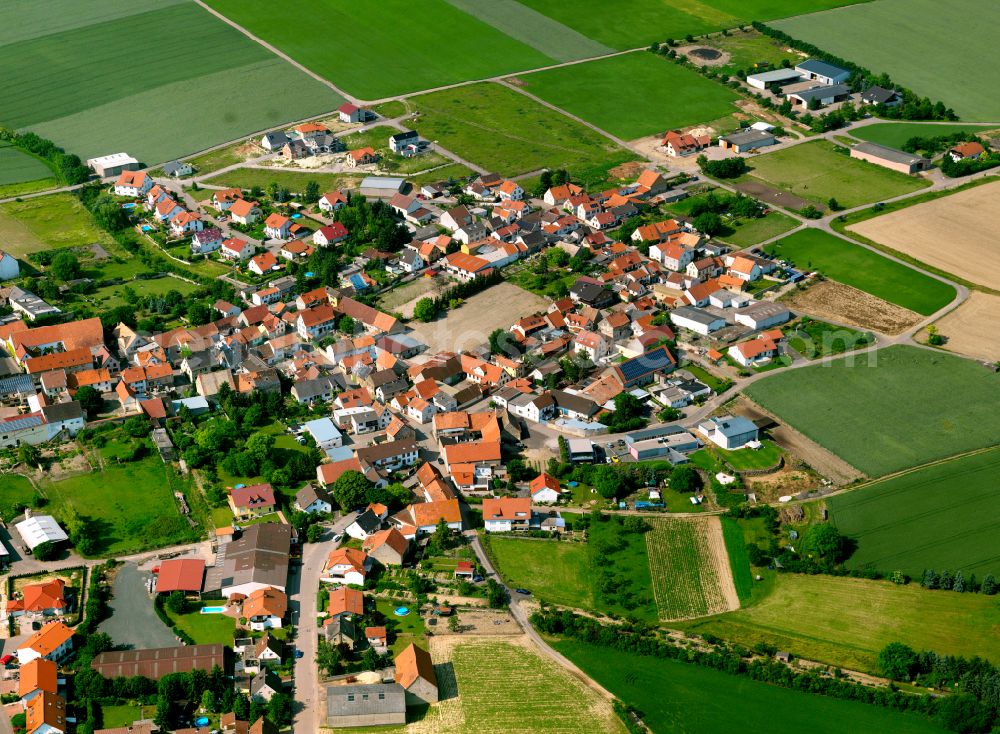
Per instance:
(897,160)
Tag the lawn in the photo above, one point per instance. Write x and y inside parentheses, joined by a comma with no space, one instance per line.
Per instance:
(748,459)
(503,131)
(223,157)
(117,716)
(557,572)
(718,384)
(608,574)
(376,53)
(293,180)
(631,23)
(131,505)
(748,49)
(815,339)
(46,223)
(815,171)
(850,264)
(15,491)
(846,621)
(911,56)
(680,697)
(492,678)
(687,578)
(747,232)
(633,95)
(79,83)
(205,629)
(892,409)
(895,134)
(946,516)
(402,630)
(110,296)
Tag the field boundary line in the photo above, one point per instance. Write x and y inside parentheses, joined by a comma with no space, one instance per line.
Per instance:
(280,54)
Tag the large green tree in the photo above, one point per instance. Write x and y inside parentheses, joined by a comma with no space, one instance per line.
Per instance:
(351,490)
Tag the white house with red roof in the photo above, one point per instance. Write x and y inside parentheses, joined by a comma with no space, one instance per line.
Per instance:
(278,226)
(186,222)
(251,501)
(756,351)
(545,489)
(236,249)
(245,212)
(330,234)
(331,201)
(348,112)
(263,263)
(133,183)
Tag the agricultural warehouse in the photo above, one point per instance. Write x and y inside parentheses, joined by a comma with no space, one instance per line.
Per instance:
(897,160)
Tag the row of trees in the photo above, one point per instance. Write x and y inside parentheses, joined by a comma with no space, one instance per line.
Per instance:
(948,581)
(638,639)
(68,167)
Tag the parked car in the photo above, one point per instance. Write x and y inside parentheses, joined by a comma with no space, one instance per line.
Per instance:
(525,592)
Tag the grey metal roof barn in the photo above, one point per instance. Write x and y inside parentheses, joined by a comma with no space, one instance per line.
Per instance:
(889,154)
(365,705)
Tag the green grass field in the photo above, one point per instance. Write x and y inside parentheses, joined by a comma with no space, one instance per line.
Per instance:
(294,181)
(632,23)
(846,621)
(680,698)
(895,408)
(685,581)
(403,630)
(863,269)
(746,49)
(946,516)
(453,170)
(815,171)
(608,574)
(22,173)
(116,716)
(219,158)
(912,57)
(492,678)
(753,231)
(205,629)
(895,134)
(201,81)
(504,131)
(15,490)
(633,95)
(380,51)
(557,572)
(745,459)
(131,505)
(739,562)
(815,339)
(45,223)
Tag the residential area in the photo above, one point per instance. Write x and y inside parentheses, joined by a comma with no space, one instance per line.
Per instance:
(513,395)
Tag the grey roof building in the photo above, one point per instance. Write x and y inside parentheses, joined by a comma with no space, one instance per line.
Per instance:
(747,140)
(365,705)
(257,559)
(897,160)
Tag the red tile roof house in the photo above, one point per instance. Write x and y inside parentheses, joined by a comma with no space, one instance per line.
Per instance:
(252,501)
(47,598)
(278,226)
(464,570)
(348,566)
(545,489)
(263,263)
(507,514)
(331,234)
(682,144)
(756,351)
(332,200)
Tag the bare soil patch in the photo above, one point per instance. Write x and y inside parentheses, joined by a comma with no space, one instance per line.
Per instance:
(774,196)
(972,328)
(470,325)
(629,170)
(832,301)
(785,481)
(720,563)
(808,451)
(956,234)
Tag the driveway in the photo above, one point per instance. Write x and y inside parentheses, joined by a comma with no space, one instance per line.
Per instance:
(133,620)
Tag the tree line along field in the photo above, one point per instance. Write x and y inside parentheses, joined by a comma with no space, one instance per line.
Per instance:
(845,621)
(504,131)
(158,80)
(689,568)
(890,36)
(370,51)
(634,23)
(890,409)
(817,172)
(895,134)
(679,698)
(859,267)
(633,95)
(945,516)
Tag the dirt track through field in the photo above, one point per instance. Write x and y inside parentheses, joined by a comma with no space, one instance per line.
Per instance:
(839,303)
(974,327)
(720,563)
(956,233)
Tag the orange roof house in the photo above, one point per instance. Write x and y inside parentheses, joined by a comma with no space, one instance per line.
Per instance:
(38,675)
(180,574)
(544,482)
(47,713)
(40,597)
(46,642)
(346,600)
(266,602)
(415,673)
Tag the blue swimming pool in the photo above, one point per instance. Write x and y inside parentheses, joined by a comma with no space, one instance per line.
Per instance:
(296,216)
(401,611)
(212,610)
(201,721)
(146,228)
(128,205)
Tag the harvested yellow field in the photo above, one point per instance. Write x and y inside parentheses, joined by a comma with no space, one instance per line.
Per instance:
(956,234)
(971,329)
